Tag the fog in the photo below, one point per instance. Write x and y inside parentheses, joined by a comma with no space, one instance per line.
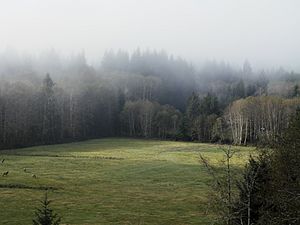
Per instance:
(265,32)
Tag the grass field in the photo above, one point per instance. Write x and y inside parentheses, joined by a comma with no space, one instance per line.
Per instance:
(111,181)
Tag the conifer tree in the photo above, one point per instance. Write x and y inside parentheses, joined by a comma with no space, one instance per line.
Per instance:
(45,215)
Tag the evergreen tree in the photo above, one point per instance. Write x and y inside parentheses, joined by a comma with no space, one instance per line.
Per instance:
(193,107)
(247,70)
(191,115)
(239,90)
(48,110)
(45,215)
(296,91)
(286,175)
(183,133)
(253,191)
(210,105)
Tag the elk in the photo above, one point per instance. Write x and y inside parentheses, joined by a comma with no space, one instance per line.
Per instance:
(5,173)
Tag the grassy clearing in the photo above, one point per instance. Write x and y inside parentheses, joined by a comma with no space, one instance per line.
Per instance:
(111,181)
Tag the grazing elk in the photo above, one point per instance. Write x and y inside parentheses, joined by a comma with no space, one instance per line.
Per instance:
(5,174)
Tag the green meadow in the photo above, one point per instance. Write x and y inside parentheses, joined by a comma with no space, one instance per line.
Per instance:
(112,181)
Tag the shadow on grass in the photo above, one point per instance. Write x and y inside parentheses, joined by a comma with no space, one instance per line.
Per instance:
(24,186)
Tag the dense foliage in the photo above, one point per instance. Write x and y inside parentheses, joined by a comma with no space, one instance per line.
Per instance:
(269,193)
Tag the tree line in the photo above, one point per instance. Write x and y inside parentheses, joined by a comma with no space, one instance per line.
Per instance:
(48,114)
(144,94)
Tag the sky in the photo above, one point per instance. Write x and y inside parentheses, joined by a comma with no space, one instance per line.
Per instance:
(264,32)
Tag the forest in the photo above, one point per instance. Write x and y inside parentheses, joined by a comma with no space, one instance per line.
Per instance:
(53,99)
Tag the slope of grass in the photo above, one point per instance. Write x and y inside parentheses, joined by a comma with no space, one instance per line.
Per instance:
(111,181)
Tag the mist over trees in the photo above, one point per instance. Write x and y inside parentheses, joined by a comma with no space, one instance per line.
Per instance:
(52,99)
